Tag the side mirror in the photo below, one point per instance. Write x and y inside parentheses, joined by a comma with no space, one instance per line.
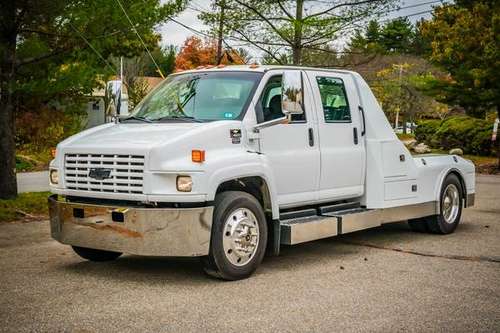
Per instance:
(292,93)
(117,98)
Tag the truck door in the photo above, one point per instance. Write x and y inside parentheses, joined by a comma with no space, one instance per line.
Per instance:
(341,140)
(291,149)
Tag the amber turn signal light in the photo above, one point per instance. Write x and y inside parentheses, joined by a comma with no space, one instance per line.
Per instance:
(198,156)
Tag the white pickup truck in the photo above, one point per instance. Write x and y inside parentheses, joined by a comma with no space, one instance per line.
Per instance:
(228,163)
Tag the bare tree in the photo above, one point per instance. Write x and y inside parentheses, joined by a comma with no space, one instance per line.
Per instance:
(278,27)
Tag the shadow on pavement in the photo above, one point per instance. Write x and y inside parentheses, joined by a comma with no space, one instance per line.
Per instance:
(188,271)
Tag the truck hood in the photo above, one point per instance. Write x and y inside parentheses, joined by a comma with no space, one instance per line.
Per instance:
(130,135)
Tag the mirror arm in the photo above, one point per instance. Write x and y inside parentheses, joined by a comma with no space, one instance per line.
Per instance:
(282,120)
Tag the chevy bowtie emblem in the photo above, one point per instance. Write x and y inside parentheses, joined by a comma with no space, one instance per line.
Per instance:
(100,173)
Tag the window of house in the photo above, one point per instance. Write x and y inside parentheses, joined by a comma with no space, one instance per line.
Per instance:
(95,105)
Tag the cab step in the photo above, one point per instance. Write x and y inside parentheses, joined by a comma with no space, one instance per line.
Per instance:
(327,222)
(305,229)
(351,220)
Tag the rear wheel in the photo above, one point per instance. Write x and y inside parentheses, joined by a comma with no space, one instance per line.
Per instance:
(95,255)
(239,236)
(450,210)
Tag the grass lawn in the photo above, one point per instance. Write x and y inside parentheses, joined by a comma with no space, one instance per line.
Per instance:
(27,161)
(405,137)
(481,160)
(29,205)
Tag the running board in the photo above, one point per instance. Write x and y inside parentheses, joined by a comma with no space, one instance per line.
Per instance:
(328,224)
(352,220)
(307,229)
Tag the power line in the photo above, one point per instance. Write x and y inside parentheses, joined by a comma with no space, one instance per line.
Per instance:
(199,6)
(90,45)
(418,5)
(405,16)
(412,6)
(200,33)
(140,38)
(203,34)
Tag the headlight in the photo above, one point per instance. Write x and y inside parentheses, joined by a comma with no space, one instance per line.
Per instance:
(54,177)
(184,184)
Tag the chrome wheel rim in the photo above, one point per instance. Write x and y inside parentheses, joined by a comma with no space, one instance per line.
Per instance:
(451,203)
(240,237)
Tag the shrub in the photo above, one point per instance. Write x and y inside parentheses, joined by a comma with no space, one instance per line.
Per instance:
(23,164)
(426,129)
(471,134)
(39,131)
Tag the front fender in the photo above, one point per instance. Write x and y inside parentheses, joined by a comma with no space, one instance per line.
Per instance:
(249,168)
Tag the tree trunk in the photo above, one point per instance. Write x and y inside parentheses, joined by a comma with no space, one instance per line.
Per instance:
(220,37)
(8,36)
(297,37)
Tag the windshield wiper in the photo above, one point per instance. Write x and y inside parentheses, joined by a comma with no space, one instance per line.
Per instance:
(183,118)
(144,119)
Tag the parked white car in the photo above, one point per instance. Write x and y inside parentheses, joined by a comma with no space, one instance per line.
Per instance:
(226,163)
(410,128)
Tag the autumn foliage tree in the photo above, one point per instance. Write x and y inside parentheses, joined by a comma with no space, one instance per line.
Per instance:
(196,52)
(54,52)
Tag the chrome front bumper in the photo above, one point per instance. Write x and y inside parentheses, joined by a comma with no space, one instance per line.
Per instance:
(142,231)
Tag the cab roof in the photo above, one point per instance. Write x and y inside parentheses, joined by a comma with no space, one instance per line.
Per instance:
(257,68)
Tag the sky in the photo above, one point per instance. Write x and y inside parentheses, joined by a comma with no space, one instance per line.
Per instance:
(173,33)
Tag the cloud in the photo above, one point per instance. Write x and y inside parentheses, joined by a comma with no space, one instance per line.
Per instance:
(173,33)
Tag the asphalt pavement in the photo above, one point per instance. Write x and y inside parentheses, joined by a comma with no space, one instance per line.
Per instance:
(383,280)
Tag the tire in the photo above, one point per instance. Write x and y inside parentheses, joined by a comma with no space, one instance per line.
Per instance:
(95,255)
(238,219)
(451,199)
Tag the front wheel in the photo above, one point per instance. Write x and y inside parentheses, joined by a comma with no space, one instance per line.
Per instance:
(239,236)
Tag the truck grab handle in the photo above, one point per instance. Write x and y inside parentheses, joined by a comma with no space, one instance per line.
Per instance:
(363,132)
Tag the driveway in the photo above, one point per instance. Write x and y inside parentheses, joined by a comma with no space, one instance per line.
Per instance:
(33,181)
(382,280)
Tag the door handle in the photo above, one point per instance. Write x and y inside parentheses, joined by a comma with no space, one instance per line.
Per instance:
(355,134)
(363,132)
(311,137)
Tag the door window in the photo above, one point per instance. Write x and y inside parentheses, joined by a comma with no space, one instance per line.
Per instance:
(269,107)
(334,100)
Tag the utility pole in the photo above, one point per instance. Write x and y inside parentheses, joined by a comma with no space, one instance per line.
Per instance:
(400,66)
(220,37)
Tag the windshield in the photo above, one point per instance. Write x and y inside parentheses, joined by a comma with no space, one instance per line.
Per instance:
(199,97)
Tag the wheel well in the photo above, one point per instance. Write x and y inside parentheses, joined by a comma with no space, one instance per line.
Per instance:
(257,187)
(254,185)
(462,182)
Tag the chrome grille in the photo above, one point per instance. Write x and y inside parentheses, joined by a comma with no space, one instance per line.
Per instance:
(126,174)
